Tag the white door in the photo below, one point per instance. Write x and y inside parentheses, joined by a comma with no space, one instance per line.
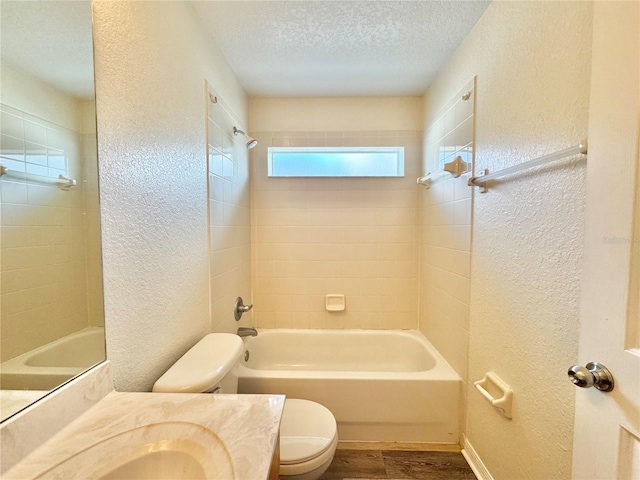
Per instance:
(607,429)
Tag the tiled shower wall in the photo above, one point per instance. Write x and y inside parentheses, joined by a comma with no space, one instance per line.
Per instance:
(445,240)
(229,217)
(351,236)
(46,288)
(92,227)
(445,236)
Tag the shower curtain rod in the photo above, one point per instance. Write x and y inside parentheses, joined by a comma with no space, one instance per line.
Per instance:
(481,181)
(64,182)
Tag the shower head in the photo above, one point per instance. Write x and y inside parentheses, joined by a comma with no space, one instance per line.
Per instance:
(251,142)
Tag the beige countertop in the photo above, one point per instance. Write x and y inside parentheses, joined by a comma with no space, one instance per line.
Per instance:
(247,426)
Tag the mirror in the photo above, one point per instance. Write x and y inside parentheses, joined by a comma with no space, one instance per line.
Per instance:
(51,314)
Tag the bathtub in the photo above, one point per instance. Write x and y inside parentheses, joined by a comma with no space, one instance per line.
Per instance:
(381,385)
(48,366)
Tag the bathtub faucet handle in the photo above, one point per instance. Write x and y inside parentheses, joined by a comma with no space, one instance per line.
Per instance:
(244,308)
(240,308)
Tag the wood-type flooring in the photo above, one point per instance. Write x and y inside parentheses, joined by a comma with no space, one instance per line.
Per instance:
(397,465)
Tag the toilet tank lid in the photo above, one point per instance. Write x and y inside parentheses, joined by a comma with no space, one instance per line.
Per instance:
(203,366)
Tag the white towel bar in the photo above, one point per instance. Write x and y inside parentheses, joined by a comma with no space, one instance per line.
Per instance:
(481,181)
(64,182)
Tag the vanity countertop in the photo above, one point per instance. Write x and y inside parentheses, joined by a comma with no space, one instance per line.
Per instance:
(247,425)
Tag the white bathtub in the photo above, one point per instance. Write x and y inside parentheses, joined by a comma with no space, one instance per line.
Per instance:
(381,385)
(48,366)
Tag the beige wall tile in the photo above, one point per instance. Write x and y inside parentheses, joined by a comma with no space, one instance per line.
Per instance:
(351,236)
(445,239)
(230,219)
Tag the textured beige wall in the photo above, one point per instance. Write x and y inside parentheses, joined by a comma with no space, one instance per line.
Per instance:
(532,61)
(351,236)
(152,59)
(334,114)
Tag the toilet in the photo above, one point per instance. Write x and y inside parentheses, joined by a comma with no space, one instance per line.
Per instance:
(308,430)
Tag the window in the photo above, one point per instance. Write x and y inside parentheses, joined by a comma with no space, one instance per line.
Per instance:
(336,161)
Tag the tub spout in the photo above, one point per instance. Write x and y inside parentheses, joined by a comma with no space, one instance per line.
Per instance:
(247,331)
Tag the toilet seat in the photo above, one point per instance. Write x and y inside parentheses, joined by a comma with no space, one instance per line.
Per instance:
(312,469)
(308,436)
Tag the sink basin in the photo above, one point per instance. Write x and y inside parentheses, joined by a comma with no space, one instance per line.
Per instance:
(162,464)
(168,450)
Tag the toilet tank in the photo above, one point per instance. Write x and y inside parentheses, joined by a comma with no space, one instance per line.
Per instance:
(211,365)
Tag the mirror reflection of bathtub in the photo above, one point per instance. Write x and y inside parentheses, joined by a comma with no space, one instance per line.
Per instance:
(28,377)
(52,315)
(52,364)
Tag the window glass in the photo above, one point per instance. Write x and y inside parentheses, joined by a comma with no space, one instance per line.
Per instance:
(336,161)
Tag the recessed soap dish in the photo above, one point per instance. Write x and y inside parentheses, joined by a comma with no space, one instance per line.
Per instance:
(334,302)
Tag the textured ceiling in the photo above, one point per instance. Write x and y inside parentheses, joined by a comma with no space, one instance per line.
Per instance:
(51,40)
(276,48)
(341,48)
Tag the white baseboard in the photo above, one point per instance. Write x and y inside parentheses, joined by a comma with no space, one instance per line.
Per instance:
(474,461)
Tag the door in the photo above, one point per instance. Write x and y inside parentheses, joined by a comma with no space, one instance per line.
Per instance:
(607,428)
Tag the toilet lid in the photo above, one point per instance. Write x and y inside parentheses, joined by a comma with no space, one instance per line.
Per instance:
(306,431)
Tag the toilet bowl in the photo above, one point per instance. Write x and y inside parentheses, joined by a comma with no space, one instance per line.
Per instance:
(308,440)
(308,430)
